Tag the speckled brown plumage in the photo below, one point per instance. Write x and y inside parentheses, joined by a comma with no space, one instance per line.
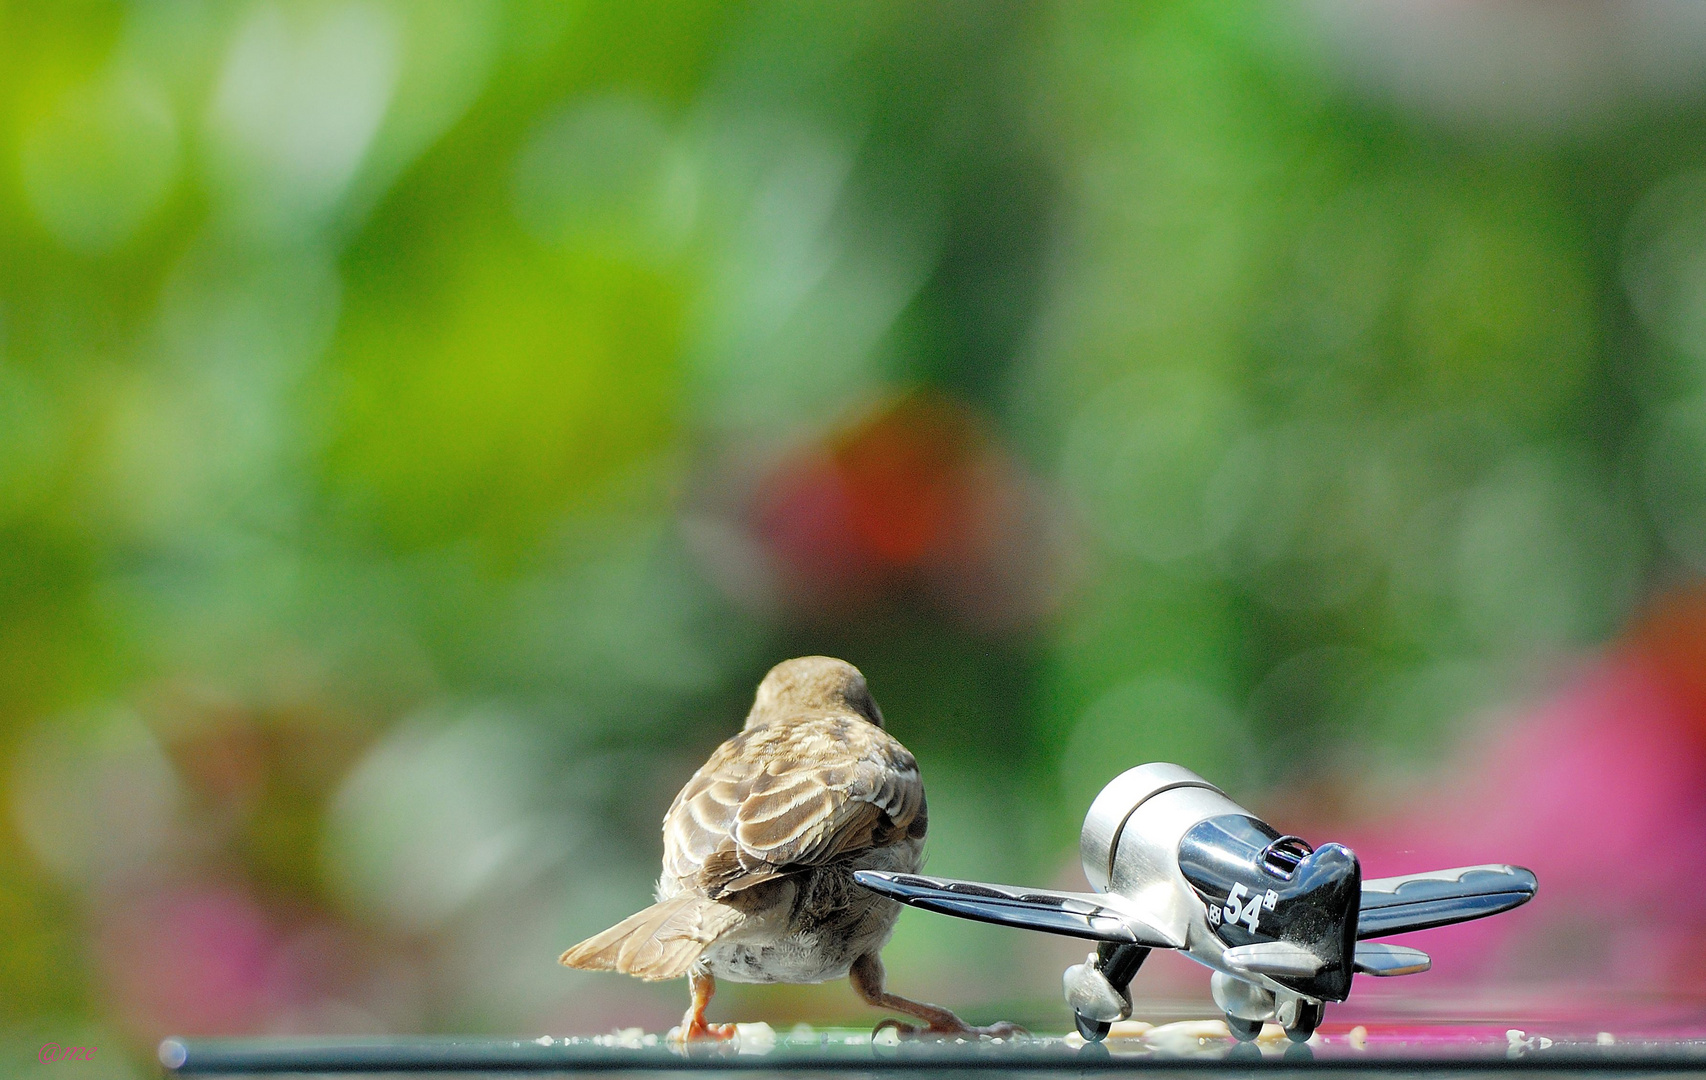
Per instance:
(760,848)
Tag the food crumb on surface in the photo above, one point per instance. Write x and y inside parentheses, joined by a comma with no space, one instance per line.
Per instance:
(1129,1029)
(1186,1033)
(759,1038)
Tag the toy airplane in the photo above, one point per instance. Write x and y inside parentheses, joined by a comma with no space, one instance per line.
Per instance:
(1177,865)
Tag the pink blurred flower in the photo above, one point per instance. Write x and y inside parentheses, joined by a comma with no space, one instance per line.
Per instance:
(195,957)
(1601,791)
(192,959)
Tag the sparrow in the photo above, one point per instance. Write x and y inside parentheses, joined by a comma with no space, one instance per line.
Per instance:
(759,851)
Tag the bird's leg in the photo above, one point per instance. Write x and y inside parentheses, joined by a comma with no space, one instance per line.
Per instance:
(693,1025)
(867,979)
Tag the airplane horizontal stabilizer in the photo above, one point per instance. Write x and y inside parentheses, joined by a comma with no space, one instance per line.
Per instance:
(1374,958)
(1396,905)
(1081,915)
(1280,958)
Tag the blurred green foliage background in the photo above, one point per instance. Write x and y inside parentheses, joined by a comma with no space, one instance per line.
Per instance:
(421,424)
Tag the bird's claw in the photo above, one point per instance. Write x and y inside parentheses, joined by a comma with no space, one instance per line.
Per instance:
(901,1028)
(1003,1030)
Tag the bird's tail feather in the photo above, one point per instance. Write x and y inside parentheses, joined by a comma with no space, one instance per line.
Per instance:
(661,942)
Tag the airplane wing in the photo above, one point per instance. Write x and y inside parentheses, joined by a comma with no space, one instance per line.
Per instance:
(1082,915)
(1287,960)
(1395,905)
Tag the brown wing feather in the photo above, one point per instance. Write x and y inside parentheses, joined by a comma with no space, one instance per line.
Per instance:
(784,796)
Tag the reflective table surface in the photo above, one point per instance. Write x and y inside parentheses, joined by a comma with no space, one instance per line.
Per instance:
(1385,1046)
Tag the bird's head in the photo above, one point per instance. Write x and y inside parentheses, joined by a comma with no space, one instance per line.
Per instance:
(813,684)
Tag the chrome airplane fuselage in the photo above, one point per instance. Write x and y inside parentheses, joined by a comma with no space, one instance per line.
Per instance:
(1175,864)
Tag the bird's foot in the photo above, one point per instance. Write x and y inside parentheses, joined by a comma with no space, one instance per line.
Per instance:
(943,1030)
(697,1030)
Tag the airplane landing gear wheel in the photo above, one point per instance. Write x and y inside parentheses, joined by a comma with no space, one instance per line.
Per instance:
(1308,1019)
(1243,1030)
(1092,1030)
